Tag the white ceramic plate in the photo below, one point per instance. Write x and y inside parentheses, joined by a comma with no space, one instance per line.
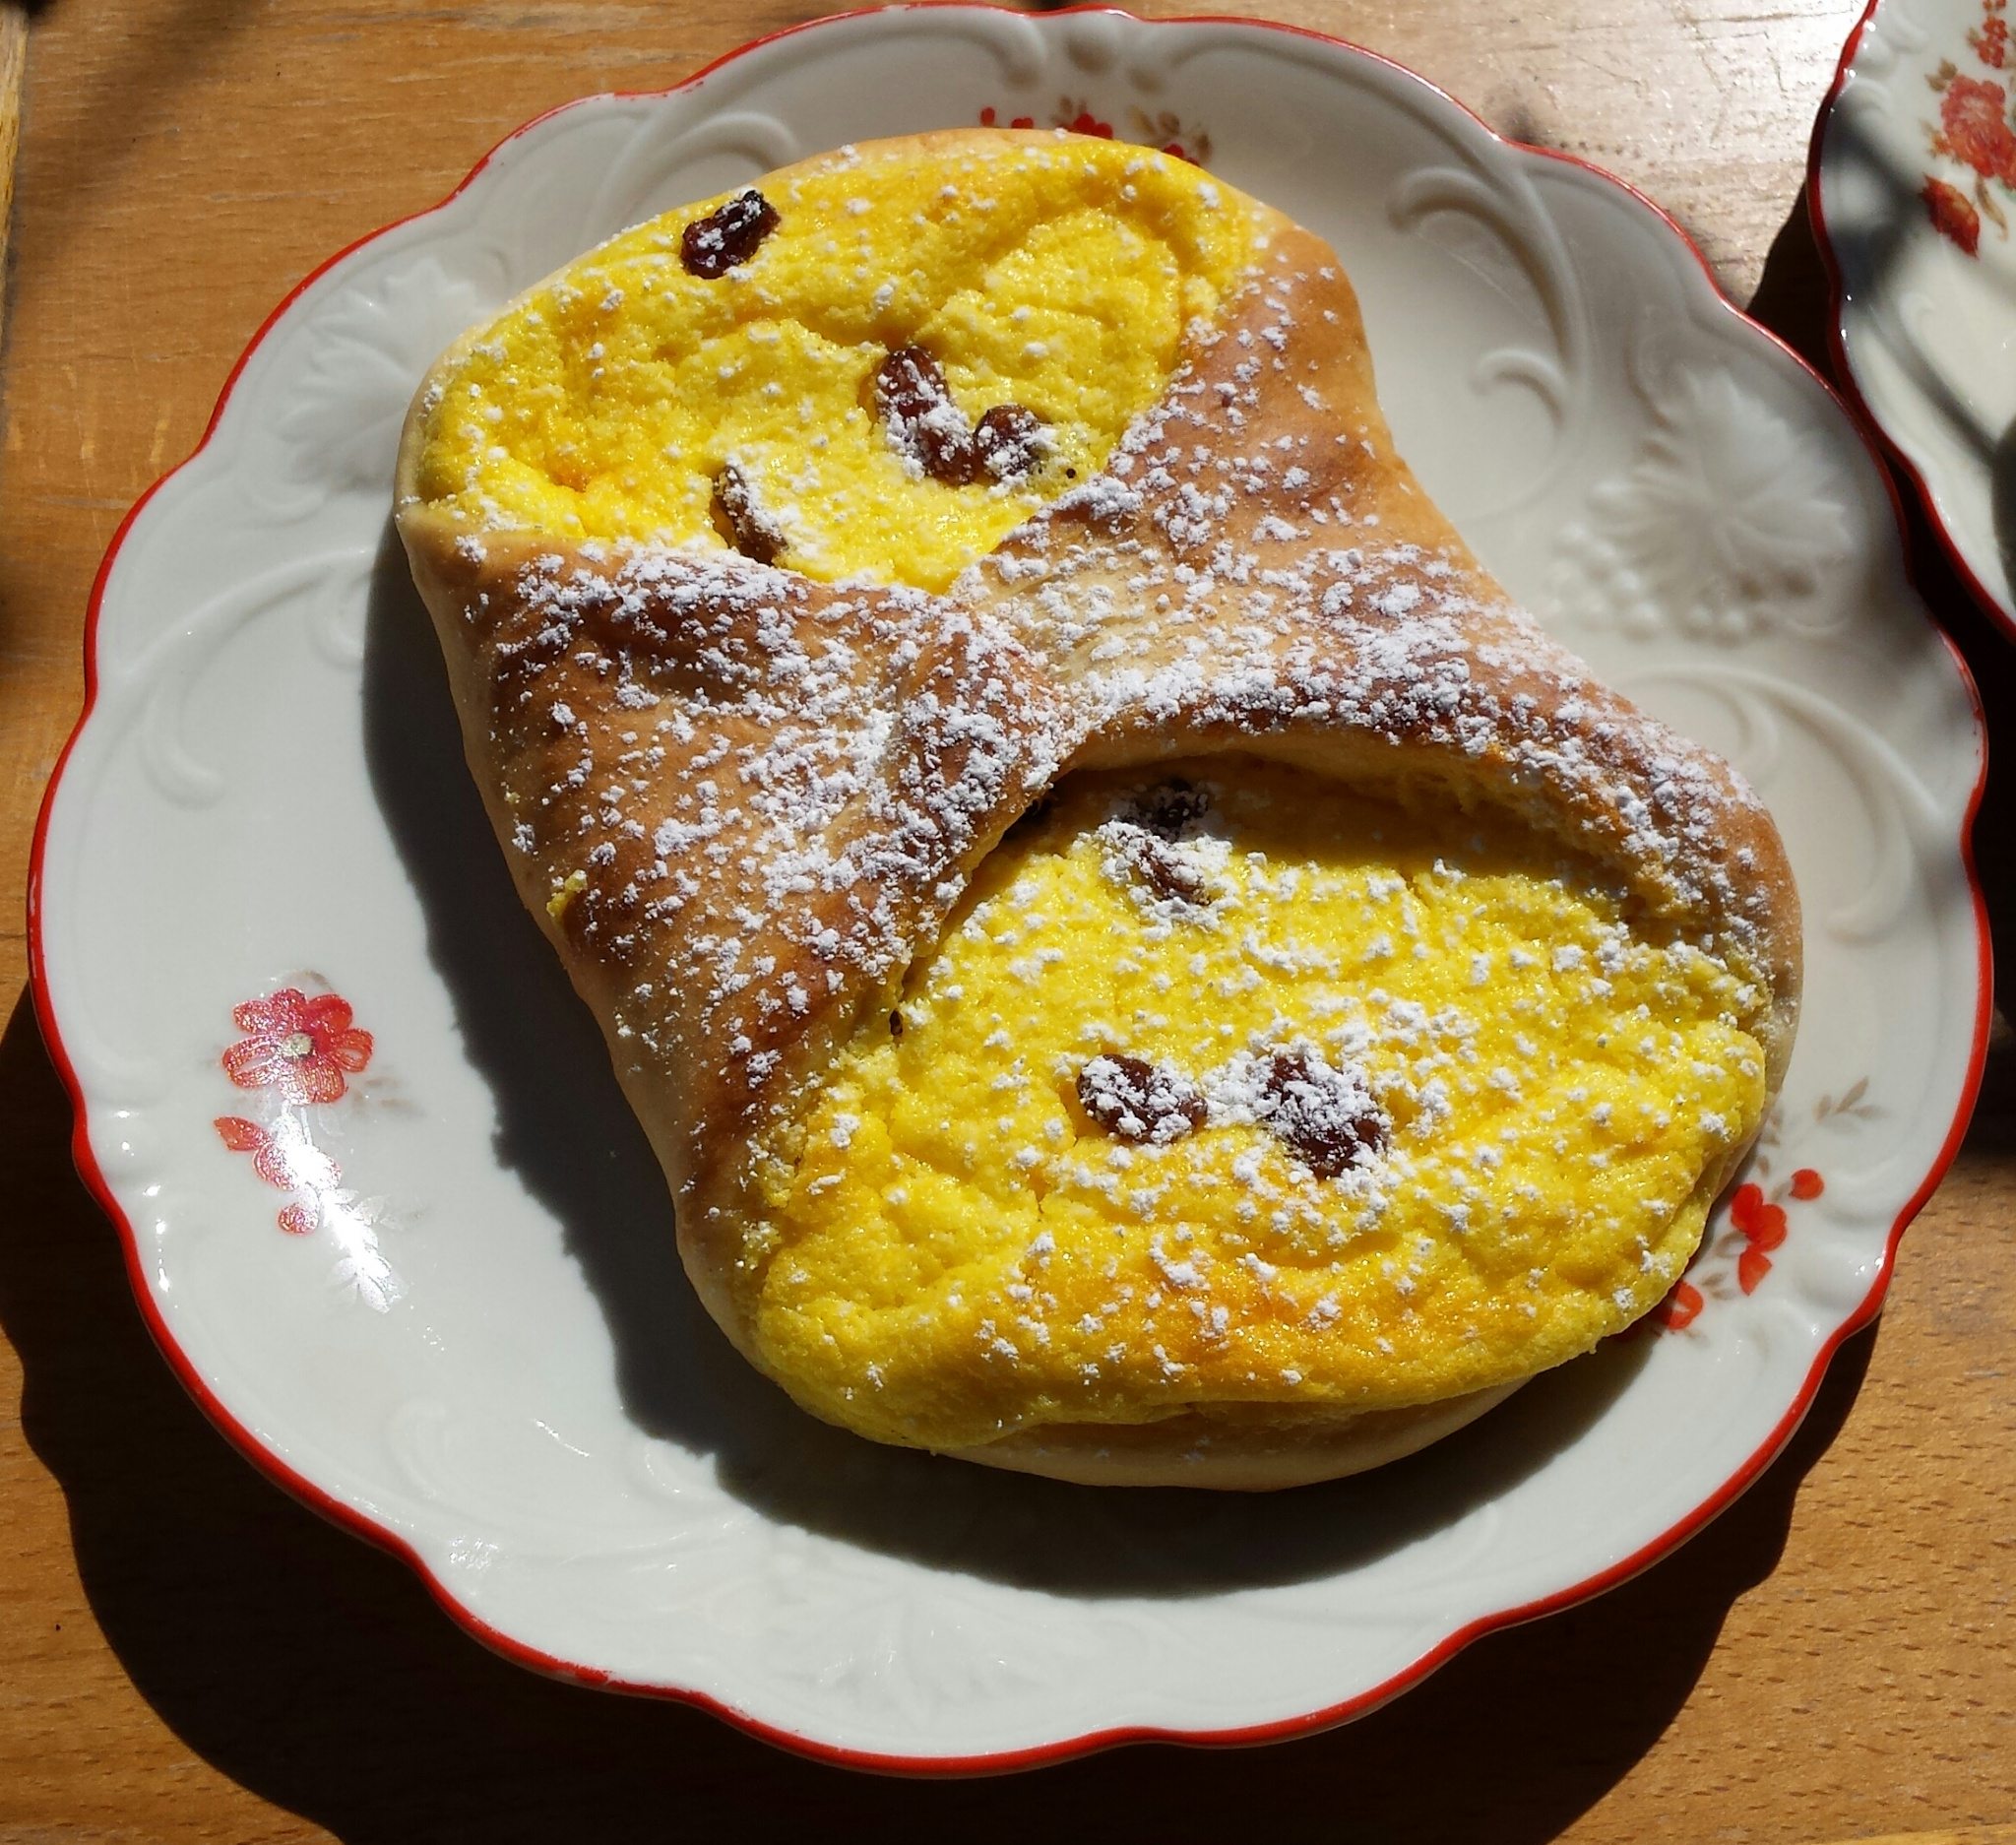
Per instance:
(1914,200)
(478,1348)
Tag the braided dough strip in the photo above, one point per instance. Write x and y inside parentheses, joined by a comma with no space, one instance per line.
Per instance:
(837,760)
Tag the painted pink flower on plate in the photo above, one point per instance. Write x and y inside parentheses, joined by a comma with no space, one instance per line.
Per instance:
(306,1048)
(1973,129)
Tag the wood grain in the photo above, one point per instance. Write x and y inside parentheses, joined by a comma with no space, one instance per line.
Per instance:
(186,1654)
(13,74)
(1973,1835)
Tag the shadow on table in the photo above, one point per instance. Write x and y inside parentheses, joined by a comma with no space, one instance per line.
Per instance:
(316,1672)
(125,84)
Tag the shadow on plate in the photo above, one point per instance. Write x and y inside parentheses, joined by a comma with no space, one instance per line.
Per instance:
(2002,498)
(1792,300)
(1873,243)
(318,1674)
(565,1129)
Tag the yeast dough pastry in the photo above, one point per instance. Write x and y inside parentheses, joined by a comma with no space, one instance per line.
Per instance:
(1139,962)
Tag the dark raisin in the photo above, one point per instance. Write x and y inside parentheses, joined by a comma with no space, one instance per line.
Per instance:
(915,403)
(1010,441)
(1327,1116)
(755,534)
(1171,876)
(914,399)
(727,236)
(1168,807)
(1134,1100)
(1165,872)
(896,1025)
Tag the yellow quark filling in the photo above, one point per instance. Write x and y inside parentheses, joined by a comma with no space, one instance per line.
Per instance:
(1057,275)
(959,1247)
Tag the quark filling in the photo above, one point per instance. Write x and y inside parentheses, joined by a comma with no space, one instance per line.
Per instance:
(1230,1087)
(1224,1087)
(716,377)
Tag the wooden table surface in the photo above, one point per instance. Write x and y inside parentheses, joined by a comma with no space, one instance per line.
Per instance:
(186,1653)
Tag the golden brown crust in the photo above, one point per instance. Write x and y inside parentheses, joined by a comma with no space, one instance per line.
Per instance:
(740,801)
(820,770)
(1370,646)
(1248,1453)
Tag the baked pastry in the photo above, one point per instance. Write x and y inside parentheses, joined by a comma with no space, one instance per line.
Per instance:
(1139,962)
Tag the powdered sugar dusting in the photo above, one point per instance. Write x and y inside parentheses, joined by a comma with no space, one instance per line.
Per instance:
(1259,572)
(1139,1101)
(750,800)
(750,795)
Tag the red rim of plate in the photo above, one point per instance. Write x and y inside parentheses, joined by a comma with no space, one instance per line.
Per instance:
(1282,1729)
(1836,344)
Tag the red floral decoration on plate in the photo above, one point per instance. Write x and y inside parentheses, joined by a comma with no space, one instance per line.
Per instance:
(1760,1224)
(1676,1312)
(1991,43)
(1164,132)
(306,1048)
(1972,128)
(269,1157)
(1975,130)
(1952,212)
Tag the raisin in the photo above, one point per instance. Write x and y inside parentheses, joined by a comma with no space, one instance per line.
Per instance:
(1327,1116)
(755,534)
(927,425)
(1168,807)
(1010,441)
(1150,822)
(1166,873)
(896,1025)
(1138,1100)
(1169,875)
(727,236)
